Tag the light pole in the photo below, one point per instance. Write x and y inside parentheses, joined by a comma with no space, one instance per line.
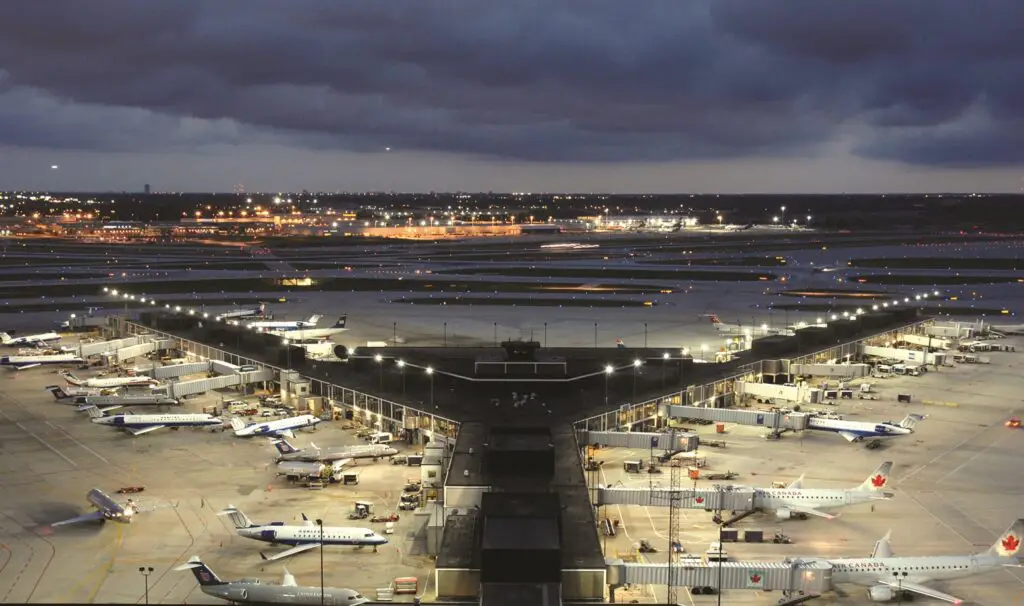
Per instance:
(664,363)
(446,334)
(545,334)
(320,523)
(145,571)
(595,335)
(608,370)
(394,334)
(430,373)
(288,353)
(703,349)
(401,364)
(636,370)
(645,338)
(380,369)
(495,334)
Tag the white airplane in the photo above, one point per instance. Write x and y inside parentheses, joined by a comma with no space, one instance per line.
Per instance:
(242,313)
(301,538)
(106,509)
(855,431)
(277,428)
(40,339)
(138,424)
(1009,329)
(253,591)
(309,334)
(108,382)
(70,393)
(26,362)
(739,329)
(326,455)
(886,575)
(795,501)
(272,326)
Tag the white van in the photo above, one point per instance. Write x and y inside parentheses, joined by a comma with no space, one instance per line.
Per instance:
(381,437)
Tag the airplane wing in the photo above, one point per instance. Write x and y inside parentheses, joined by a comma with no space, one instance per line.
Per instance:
(810,511)
(797,484)
(147,429)
(287,433)
(289,552)
(27,366)
(96,516)
(850,437)
(921,590)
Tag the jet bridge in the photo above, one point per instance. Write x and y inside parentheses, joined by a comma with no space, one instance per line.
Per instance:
(188,388)
(172,371)
(95,349)
(134,351)
(795,576)
(674,441)
(796,421)
(728,498)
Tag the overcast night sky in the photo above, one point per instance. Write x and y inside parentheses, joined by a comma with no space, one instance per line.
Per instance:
(698,96)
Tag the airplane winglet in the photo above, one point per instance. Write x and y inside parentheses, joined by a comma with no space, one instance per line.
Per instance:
(264,556)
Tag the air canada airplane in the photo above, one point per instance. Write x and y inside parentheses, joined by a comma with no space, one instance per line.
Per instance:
(108,381)
(797,501)
(329,454)
(253,591)
(301,538)
(40,339)
(278,428)
(855,431)
(886,575)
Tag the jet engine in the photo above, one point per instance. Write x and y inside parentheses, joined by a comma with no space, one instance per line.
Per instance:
(881,593)
(784,514)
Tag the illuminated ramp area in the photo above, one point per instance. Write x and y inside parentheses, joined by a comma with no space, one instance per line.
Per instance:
(812,577)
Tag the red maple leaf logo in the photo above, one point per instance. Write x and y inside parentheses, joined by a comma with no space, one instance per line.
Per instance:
(1011,543)
(755,579)
(878,481)
(699,500)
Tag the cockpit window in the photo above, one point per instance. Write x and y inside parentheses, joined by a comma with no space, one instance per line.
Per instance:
(369,535)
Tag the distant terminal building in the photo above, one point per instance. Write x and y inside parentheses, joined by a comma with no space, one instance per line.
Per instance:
(665,222)
(458,230)
(146,189)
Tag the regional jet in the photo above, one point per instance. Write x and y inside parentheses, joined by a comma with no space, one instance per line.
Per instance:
(311,322)
(739,329)
(855,431)
(301,538)
(329,454)
(106,509)
(26,362)
(310,334)
(253,591)
(108,382)
(278,428)
(40,339)
(886,575)
(795,501)
(70,393)
(242,313)
(141,424)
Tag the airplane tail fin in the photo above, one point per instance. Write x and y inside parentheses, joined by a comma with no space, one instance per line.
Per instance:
(879,478)
(714,319)
(1008,545)
(883,547)
(58,392)
(204,575)
(911,421)
(94,412)
(341,322)
(71,378)
(5,338)
(239,519)
(284,447)
(237,424)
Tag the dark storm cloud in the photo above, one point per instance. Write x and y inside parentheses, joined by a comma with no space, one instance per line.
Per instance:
(921,81)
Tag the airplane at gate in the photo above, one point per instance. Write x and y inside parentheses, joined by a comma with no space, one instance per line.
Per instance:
(40,339)
(886,575)
(108,382)
(142,424)
(739,329)
(796,501)
(855,431)
(329,454)
(253,591)
(26,362)
(311,334)
(242,313)
(270,326)
(301,538)
(278,428)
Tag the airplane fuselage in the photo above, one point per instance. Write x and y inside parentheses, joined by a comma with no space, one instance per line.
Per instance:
(301,535)
(860,429)
(867,571)
(326,455)
(112,510)
(818,498)
(258,593)
(168,420)
(30,361)
(273,427)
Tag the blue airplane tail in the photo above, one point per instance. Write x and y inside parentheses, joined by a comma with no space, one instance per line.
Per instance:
(341,322)
(204,575)
(284,447)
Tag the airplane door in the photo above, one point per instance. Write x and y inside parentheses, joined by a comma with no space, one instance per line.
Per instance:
(268,535)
